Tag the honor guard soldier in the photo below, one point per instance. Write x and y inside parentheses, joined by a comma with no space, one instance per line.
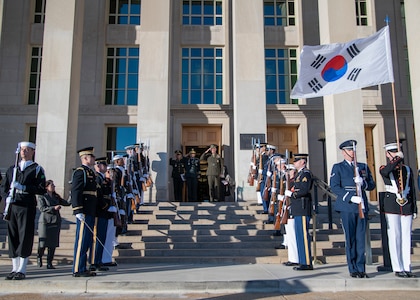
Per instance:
(344,180)
(214,170)
(400,207)
(102,216)
(301,210)
(23,182)
(192,172)
(84,202)
(120,193)
(178,174)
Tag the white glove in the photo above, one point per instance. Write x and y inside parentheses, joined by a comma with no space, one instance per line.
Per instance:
(269,173)
(260,171)
(135,191)
(273,190)
(356,199)
(18,186)
(280,197)
(358,180)
(114,195)
(399,154)
(414,216)
(288,193)
(122,212)
(130,196)
(143,179)
(252,164)
(112,209)
(80,217)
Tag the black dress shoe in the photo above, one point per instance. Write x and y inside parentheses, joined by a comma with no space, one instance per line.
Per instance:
(39,261)
(280,247)
(303,268)
(110,264)
(268,222)
(102,268)
(410,275)
(50,266)
(401,274)
(84,274)
(290,264)
(10,276)
(355,274)
(277,233)
(19,276)
(362,275)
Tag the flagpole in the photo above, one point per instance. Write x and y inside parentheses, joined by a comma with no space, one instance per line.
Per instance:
(395,116)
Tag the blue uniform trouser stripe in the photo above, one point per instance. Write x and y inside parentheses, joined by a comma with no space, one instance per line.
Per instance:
(303,240)
(83,242)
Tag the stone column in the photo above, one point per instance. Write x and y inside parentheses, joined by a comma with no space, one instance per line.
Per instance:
(248,84)
(343,113)
(153,104)
(412,22)
(60,87)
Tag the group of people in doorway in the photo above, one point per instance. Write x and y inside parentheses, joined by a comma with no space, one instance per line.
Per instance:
(285,192)
(186,173)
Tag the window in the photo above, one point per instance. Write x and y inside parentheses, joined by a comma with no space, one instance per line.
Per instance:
(124,12)
(202,76)
(279,13)
(280,75)
(202,12)
(39,15)
(119,137)
(35,76)
(32,134)
(122,76)
(361,13)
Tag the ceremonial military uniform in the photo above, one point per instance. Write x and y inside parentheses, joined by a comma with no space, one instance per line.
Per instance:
(343,184)
(178,172)
(399,206)
(29,182)
(301,210)
(84,202)
(214,169)
(192,172)
(102,216)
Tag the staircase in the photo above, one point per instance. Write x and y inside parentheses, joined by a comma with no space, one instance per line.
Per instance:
(225,232)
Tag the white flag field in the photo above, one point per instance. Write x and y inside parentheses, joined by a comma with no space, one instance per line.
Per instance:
(342,67)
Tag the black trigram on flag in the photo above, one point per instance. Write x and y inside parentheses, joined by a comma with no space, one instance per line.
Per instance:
(353,51)
(315,85)
(319,60)
(354,74)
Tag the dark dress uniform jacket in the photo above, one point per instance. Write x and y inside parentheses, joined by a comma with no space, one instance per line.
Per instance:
(84,191)
(390,204)
(301,199)
(342,184)
(104,196)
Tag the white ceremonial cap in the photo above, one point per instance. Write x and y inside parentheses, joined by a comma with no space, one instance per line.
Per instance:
(27,144)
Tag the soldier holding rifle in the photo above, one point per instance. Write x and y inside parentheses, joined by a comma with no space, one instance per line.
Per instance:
(23,182)
(400,209)
(350,180)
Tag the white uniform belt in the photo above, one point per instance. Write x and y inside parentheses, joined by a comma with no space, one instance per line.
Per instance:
(93,193)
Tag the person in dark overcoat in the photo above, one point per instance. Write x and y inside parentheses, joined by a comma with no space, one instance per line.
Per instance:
(49,223)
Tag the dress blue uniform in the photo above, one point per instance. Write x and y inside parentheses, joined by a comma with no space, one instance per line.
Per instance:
(342,182)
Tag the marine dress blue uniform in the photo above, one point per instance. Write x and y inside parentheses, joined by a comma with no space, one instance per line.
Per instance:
(342,184)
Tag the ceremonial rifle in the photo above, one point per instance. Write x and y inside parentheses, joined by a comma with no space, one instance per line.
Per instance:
(273,194)
(12,192)
(277,223)
(253,167)
(358,185)
(259,180)
(284,215)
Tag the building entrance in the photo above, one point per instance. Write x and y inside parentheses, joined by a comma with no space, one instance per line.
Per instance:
(200,138)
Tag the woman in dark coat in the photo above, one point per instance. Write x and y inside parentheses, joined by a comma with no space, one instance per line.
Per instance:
(49,223)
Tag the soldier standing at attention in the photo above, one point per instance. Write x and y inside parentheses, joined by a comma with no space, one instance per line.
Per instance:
(400,209)
(84,202)
(192,171)
(178,173)
(344,184)
(28,182)
(214,169)
(301,210)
